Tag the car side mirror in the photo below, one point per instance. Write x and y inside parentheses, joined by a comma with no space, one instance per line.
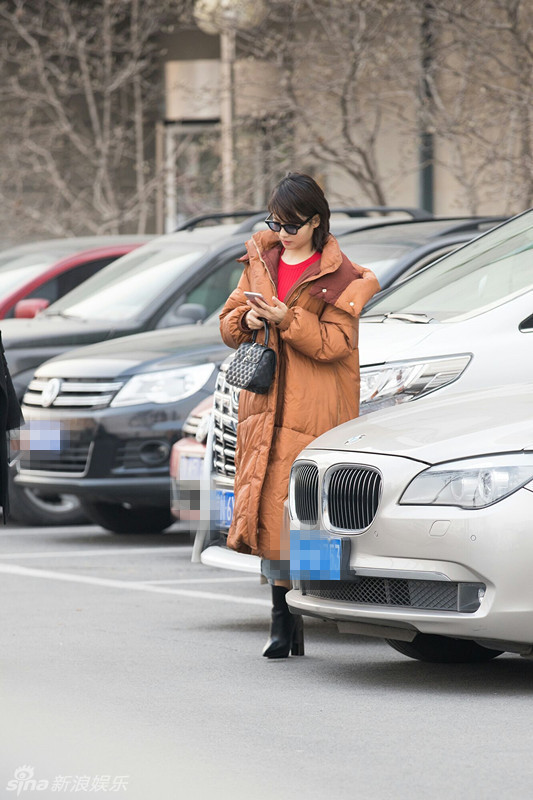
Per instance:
(27,309)
(191,313)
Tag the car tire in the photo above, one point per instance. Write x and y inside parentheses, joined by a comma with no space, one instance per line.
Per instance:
(444,650)
(31,507)
(118,519)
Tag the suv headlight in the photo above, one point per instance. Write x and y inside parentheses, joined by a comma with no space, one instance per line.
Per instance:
(401,381)
(471,483)
(163,387)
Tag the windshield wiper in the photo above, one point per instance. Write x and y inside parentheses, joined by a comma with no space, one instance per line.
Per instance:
(61,314)
(408,316)
(374,317)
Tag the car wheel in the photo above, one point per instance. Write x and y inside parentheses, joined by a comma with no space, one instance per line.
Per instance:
(32,507)
(118,519)
(444,649)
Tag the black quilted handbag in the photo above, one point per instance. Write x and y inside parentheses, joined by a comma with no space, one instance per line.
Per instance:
(253,366)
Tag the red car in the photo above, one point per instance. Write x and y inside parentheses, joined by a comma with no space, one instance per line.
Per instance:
(35,275)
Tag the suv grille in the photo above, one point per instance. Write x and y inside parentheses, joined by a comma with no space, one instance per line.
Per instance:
(79,393)
(435,595)
(352,495)
(225,412)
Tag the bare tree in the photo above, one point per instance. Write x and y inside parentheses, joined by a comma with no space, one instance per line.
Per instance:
(345,80)
(482,85)
(79,98)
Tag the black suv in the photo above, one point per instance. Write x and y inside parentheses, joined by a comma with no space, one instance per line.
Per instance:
(101,421)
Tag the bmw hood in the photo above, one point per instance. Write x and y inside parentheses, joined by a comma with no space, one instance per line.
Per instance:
(433,430)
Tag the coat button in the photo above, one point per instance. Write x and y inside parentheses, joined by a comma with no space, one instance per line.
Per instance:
(324,290)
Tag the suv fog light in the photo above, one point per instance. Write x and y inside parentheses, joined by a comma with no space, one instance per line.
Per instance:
(480,594)
(154,453)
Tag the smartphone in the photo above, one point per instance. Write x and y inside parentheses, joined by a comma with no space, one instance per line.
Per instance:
(253,296)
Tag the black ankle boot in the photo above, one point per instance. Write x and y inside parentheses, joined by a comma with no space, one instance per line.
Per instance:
(286,630)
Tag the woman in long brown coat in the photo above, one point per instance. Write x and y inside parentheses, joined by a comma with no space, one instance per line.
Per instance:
(313,296)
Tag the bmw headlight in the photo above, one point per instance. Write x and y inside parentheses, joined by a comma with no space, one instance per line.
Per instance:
(163,387)
(471,483)
(398,382)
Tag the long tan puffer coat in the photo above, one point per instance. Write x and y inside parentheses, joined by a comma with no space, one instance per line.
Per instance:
(316,385)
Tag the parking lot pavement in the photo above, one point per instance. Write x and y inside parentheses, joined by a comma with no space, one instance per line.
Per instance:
(127,669)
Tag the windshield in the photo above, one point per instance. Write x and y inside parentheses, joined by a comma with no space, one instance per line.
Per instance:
(127,286)
(481,275)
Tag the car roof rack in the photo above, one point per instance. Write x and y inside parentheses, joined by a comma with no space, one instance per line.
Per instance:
(474,223)
(193,222)
(254,217)
(366,211)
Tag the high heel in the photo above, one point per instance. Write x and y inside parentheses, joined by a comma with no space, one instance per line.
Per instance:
(297,641)
(286,630)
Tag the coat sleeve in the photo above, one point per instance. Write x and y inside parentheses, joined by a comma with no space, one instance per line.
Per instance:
(333,335)
(232,327)
(329,338)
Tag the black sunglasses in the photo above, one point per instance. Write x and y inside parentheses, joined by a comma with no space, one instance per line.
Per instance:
(291,228)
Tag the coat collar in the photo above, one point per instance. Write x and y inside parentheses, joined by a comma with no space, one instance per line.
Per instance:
(330,276)
(267,246)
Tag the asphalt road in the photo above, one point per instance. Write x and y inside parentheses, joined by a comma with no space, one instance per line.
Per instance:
(127,670)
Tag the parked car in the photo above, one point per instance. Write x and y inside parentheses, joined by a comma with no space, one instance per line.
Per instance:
(461,322)
(34,275)
(187,464)
(413,525)
(101,421)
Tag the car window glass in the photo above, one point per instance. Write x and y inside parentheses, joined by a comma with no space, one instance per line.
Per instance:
(214,290)
(485,273)
(68,280)
(124,288)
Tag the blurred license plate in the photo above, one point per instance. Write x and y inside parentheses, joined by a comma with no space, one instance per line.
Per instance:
(190,468)
(225,502)
(317,557)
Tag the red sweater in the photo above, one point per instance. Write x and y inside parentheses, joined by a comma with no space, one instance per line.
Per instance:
(289,274)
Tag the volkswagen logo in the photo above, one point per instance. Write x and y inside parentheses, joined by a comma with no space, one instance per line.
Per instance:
(50,392)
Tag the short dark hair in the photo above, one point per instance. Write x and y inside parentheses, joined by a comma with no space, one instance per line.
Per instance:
(300,194)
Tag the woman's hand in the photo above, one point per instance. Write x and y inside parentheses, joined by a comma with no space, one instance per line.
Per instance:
(275,313)
(252,318)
